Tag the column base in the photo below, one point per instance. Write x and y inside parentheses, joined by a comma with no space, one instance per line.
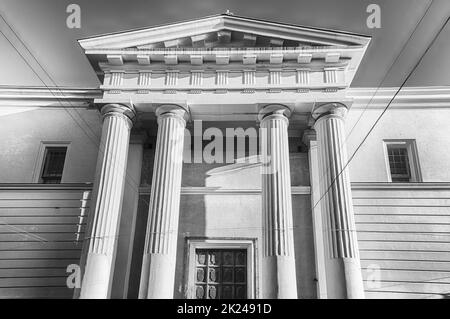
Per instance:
(157,277)
(96,281)
(353,278)
(344,279)
(279,281)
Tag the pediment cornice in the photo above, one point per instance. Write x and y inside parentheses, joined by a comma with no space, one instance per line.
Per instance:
(223,25)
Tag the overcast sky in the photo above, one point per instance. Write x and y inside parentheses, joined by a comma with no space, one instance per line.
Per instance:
(41,24)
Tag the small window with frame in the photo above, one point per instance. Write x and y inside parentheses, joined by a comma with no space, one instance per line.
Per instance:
(53,164)
(402,161)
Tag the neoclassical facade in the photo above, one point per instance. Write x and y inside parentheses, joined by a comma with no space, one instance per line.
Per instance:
(219,159)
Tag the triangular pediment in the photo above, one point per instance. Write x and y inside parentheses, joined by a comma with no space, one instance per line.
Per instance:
(223,31)
(227,38)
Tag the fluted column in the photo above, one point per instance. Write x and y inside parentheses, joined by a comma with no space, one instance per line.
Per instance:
(309,139)
(107,202)
(279,278)
(158,267)
(344,279)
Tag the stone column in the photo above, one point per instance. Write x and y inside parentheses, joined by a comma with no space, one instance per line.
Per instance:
(107,200)
(279,278)
(309,139)
(344,279)
(158,266)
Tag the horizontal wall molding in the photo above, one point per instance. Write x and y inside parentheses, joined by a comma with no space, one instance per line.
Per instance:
(401,186)
(36,186)
(409,98)
(190,190)
(48,97)
(296,190)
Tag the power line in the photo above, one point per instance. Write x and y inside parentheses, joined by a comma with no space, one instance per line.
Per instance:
(46,73)
(42,68)
(343,144)
(390,68)
(98,145)
(351,158)
(385,109)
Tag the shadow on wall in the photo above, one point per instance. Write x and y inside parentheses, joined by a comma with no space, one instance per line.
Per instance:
(213,206)
(304,247)
(138,247)
(192,217)
(192,224)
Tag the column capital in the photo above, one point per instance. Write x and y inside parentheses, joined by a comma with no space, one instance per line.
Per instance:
(335,109)
(172,110)
(274,111)
(115,108)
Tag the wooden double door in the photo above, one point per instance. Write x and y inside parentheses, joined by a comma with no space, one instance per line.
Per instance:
(221,273)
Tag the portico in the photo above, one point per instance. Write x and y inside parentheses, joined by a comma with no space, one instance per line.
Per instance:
(287,81)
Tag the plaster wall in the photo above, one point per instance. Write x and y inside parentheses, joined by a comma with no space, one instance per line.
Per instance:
(428,127)
(24,129)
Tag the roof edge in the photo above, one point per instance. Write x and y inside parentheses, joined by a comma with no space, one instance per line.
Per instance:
(88,42)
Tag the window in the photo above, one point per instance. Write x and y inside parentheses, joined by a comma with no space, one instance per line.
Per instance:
(220,269)
(402,161)
(53,165)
